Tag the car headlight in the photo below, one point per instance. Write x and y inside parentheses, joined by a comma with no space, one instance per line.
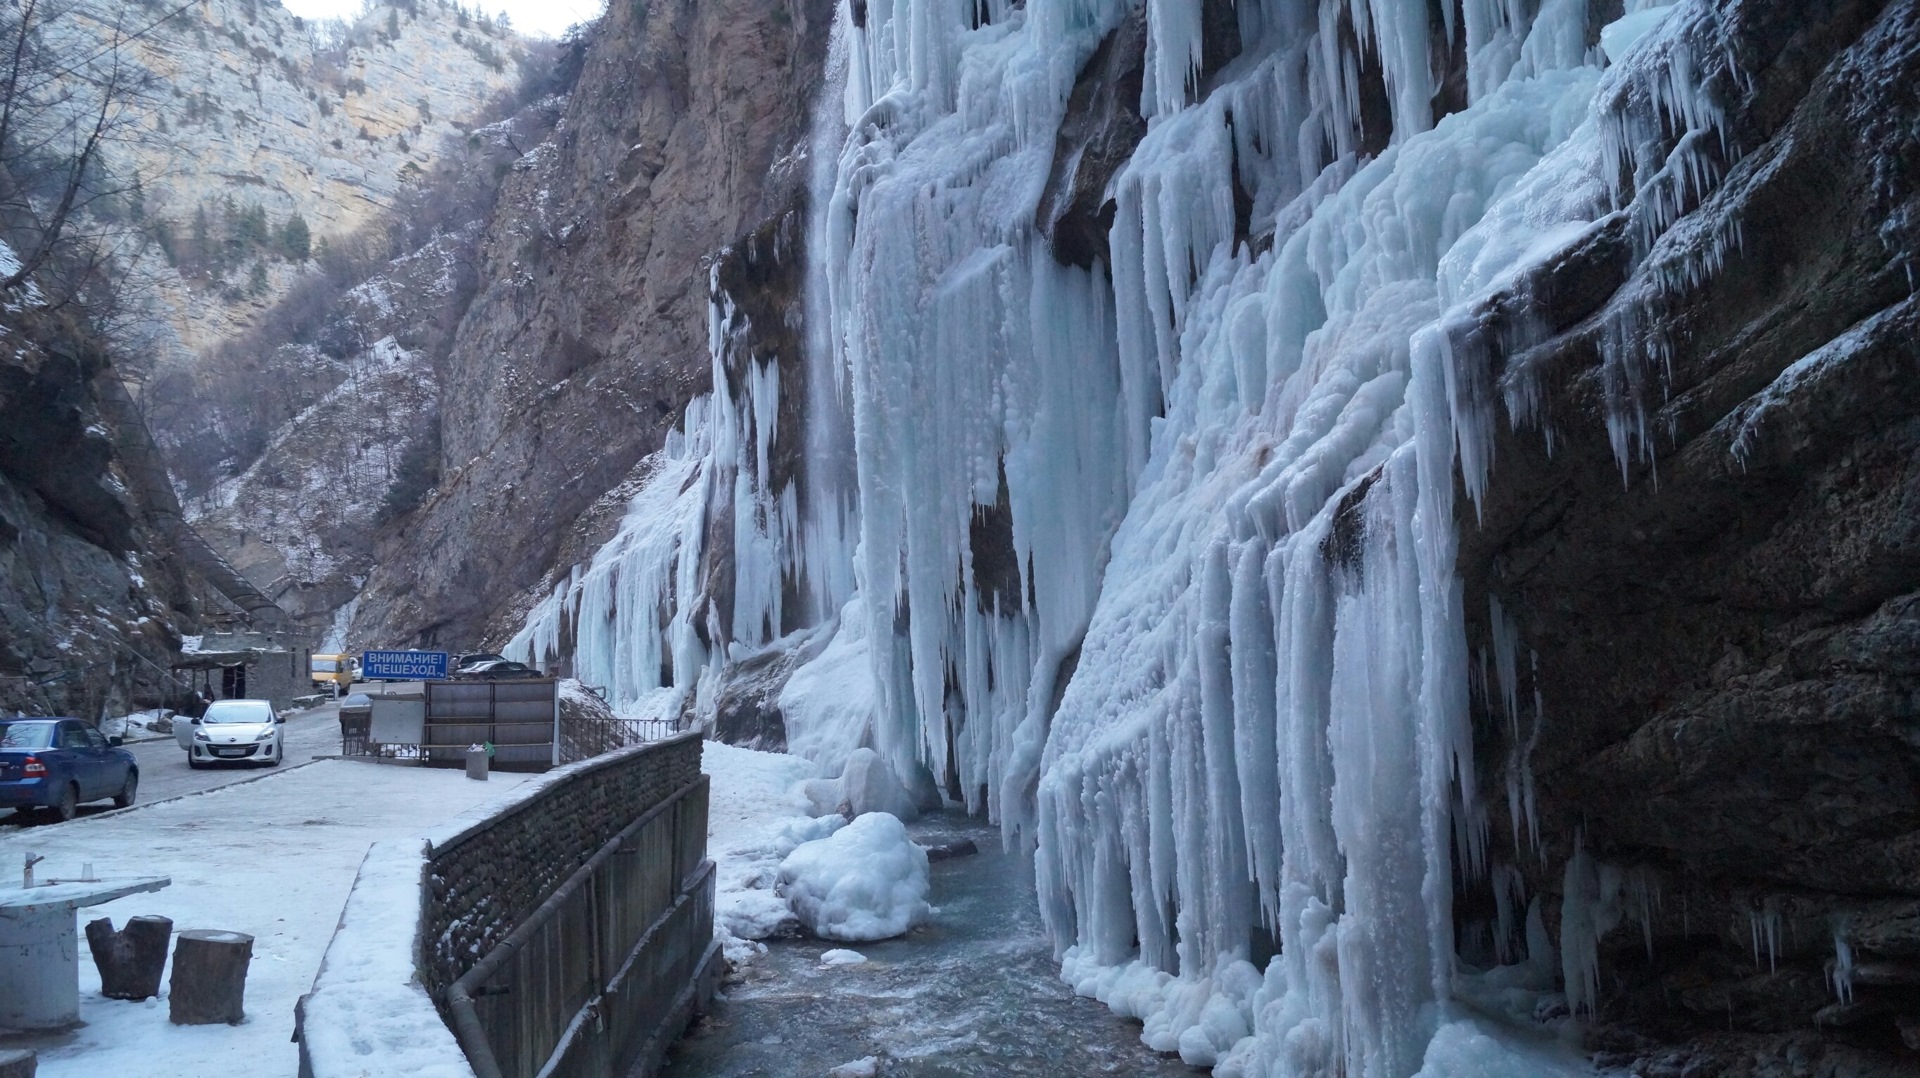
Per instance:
(201,735)
(264,735)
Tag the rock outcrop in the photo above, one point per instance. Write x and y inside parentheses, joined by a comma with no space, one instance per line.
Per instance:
(590,333)
(1723,628)
(90,594)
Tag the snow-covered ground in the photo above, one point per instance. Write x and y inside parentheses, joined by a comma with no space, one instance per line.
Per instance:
(274,859)
(755,817)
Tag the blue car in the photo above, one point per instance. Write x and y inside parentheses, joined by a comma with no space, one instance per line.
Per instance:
(58,764)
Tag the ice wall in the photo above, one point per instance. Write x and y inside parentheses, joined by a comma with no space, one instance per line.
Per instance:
(640,619)
(1154,561)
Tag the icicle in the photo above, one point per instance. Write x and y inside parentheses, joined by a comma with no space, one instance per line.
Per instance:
(1840,970)
(1764,925)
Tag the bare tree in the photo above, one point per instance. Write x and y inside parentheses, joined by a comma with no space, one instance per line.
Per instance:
(65,99)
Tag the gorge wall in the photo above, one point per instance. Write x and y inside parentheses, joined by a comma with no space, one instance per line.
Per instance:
(588,335)
(1407,509)
(1717,632)
(91,593)
(236,104)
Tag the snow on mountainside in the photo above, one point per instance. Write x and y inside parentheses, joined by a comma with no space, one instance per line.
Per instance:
(301,521)
(1286,460)
(249,106)
(351,412)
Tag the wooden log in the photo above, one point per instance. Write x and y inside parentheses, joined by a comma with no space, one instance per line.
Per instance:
(18,1062)
(209,977)
(130,960)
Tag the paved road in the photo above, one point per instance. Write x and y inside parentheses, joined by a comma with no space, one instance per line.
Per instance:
(164,772)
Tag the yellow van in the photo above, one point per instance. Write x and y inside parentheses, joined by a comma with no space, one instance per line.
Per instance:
(332,672)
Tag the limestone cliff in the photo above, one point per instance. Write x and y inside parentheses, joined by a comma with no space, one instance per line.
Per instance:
(242,105)
(590,333)
(1723,638)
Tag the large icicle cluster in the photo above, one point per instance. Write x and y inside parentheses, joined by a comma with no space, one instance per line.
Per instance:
(1154,560)
(638,620)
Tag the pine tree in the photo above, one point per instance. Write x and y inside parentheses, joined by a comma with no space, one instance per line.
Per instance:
(198,240)
(296,239)
(163,237)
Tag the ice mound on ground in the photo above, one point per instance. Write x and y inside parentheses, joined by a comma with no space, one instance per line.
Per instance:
(867,785)
(866,881)
(754,911)
(1462,1049)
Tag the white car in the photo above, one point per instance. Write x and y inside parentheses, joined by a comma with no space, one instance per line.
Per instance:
(232,731)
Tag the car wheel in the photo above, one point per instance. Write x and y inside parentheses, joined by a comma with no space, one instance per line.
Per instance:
(132,786)
(195,764)
(66,804)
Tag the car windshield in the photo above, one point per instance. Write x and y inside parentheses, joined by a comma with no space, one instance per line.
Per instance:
(26,735)
(222,711)
(326,666)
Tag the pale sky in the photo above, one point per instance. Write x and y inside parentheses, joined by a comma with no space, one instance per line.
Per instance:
(548,17)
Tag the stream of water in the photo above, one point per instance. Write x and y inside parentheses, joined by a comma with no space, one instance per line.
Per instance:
(977,992)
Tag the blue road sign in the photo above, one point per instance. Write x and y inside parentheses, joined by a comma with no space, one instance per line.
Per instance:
(403,665)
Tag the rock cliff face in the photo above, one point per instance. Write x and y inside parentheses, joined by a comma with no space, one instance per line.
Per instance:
(302,521)
(241,100)
(688,127)
(89,594)
(1723,633)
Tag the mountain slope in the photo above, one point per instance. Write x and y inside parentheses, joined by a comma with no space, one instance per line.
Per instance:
(245,106)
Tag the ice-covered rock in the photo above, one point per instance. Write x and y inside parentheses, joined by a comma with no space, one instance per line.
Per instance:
(867,785)
(1620,35)
(866,881)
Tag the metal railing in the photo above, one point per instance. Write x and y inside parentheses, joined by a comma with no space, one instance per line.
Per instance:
(594,976)
(585,738)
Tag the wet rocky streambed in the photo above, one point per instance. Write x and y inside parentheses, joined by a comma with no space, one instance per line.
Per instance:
(976,992)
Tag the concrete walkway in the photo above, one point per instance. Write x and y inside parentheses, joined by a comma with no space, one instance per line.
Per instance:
(273,858)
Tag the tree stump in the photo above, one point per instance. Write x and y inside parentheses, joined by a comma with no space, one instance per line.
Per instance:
(18,1062)
(130,960)
(209,977)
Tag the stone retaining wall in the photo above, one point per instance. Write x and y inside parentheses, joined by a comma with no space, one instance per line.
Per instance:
(482,882)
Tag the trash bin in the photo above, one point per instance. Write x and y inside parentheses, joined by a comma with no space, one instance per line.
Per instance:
(356,725)
(477,762)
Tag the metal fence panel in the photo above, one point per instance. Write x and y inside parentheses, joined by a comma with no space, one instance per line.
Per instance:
(597,968)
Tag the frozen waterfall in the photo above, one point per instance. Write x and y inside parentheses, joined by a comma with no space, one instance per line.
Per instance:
(1153,559)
